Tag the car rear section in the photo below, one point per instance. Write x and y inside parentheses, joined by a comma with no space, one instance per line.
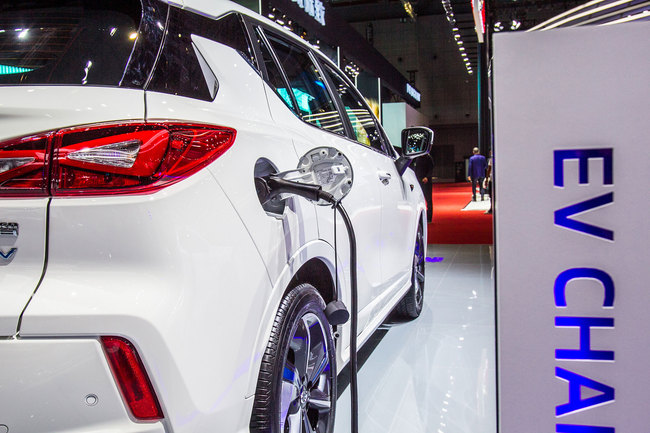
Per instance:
(110,225)
(42,55)
(65,383)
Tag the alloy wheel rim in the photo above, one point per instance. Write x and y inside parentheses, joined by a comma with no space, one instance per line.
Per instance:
(418,269)
(306,392)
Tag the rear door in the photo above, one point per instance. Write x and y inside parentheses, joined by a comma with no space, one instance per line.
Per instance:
(316,122)
(60,65)
(397,213)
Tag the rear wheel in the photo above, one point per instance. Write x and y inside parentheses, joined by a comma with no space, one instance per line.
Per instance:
(411,304)
(297,382)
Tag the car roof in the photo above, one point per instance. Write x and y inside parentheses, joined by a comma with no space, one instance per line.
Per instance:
(216,8)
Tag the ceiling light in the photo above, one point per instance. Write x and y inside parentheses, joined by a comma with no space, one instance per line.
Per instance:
(408,7)
(586,13)
(498,26)
(629,18)
(569,12)
(514,25)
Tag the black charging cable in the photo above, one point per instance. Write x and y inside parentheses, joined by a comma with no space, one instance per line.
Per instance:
(268,188)
(354,391)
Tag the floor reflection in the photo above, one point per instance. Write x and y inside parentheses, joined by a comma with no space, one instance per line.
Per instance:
(437,373)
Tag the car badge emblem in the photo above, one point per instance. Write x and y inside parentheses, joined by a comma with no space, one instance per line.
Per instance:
(8,229)
(9,255)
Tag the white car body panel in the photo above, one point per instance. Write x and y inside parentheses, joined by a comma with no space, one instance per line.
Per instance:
(363,203)
(192,274)
(397,212)
(315,249)
(133,268)
(21,271)
(30,109)
(241,88)
(73,367)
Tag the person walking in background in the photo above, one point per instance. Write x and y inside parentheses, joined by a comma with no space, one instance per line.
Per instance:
(487,183)
(423,168)
(477,166)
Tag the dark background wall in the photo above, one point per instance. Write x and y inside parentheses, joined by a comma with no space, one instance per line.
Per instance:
(453,144)
(426,51)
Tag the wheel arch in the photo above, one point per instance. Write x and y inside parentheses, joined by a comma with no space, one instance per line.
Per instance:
(423,220)
(318,274)
(313,263)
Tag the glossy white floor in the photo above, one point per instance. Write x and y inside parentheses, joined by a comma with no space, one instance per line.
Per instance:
(437,373)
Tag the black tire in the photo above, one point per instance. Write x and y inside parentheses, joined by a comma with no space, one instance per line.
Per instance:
(299,360)
(411,304)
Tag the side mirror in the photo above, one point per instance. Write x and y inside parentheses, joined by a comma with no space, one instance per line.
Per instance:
(416,141)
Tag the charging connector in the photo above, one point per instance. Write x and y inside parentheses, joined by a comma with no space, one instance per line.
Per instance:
(270,187)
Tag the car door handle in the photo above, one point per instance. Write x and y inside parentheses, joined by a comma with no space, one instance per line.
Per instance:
(384,177)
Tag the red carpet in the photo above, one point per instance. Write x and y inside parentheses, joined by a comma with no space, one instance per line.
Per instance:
(450,225)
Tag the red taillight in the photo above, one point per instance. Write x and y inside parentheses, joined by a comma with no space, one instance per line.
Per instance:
(124,158)
(132,379)
(23,166)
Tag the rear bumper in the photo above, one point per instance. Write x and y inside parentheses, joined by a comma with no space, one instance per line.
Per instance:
(50,385)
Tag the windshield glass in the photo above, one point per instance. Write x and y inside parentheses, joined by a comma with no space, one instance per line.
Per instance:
(74,42)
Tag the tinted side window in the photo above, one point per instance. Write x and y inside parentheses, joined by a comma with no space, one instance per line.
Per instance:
(181,70)
(361,118)
(273,74)
(229,30)
(315,104)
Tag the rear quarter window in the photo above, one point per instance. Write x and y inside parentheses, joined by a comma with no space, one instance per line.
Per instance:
(179,70)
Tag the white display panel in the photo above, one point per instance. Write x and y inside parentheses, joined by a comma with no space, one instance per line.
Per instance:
(572,172)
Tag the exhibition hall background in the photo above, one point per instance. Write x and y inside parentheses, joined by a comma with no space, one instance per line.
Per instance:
(422,63)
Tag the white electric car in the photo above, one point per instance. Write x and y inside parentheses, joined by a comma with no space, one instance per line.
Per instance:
(144,287)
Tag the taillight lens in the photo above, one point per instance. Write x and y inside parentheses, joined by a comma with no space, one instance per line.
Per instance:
(23,166)
(132,379)
(125,158)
